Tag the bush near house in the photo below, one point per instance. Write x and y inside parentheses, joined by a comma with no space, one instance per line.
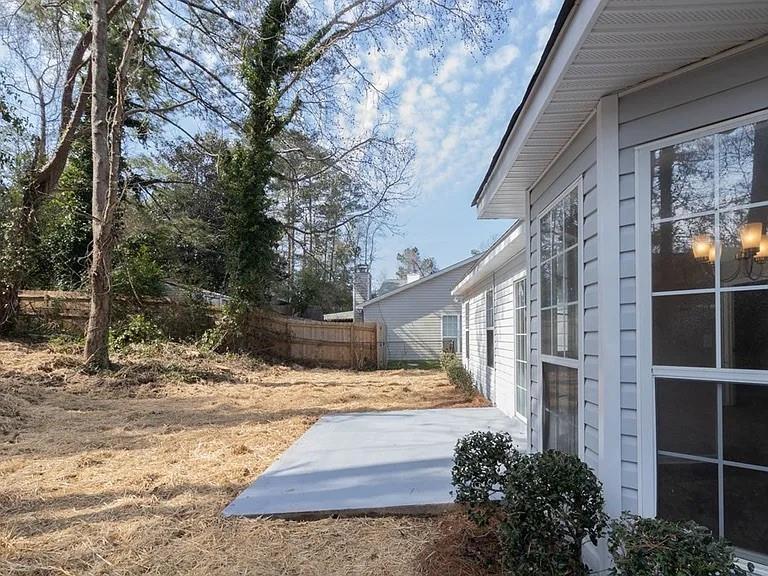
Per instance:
(651,546)
(543,506)
(457,374)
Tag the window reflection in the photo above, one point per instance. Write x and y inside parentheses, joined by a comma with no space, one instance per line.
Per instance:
(561,410)
(684,330)
(744,328)
(687,490)
(745,418)
(746,508)
(683,178)
(686,417)
(744,165)
(675,266)
(737,268)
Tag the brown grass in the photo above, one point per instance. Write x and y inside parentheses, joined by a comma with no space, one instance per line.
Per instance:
(127,473)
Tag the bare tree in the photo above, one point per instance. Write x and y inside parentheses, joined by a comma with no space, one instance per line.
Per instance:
(106,142)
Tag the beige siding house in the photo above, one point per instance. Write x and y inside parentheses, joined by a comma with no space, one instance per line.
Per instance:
(422,318)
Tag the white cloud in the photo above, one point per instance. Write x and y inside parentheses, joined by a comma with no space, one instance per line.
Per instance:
(543,6)
(502,58)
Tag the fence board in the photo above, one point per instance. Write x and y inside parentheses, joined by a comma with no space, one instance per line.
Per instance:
(352,345)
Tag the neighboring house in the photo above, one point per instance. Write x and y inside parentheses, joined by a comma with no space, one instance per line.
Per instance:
(420,319)
(638,161)
(494,333)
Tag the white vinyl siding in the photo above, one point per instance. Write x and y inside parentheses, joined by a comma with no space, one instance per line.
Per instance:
(498,383)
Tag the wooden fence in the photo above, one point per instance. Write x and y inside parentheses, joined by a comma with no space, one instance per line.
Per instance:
(348,345)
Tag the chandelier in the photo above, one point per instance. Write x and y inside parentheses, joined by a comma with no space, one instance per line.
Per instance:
(752,255)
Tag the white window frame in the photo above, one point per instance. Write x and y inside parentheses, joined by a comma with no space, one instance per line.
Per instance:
(646,372)
(458,331)
(577,363)
(465,343)
(492,292)
(516,280)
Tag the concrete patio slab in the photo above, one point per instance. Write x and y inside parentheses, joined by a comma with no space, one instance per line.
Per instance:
(369,463)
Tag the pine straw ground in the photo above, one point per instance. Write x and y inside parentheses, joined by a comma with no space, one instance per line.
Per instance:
(127,473)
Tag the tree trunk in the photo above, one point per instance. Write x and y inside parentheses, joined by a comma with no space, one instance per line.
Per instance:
(96,351)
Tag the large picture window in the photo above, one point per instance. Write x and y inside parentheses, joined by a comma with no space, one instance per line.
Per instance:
(709,327)
(559,301)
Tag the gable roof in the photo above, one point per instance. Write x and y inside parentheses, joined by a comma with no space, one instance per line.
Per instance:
(421,281)
(597,48)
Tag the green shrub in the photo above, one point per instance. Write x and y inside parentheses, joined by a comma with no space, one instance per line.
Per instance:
(653,547)
(548,504)
(135,329)
(481,462)
(552,503)
(457,374)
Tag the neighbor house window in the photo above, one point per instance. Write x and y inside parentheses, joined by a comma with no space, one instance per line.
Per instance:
(521,349)
(559,272)
(489,328)
(450,333)
(466,329)
(709,281)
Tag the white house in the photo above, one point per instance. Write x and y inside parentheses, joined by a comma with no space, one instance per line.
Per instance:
(420,319)
(494,314)
(638,163)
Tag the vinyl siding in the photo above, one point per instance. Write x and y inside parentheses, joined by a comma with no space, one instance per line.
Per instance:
(498,383)
(719,91)
(578,160)
(413,318)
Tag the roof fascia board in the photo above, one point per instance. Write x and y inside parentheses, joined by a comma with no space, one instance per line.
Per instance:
(512,243)
(581,20)
(420,281)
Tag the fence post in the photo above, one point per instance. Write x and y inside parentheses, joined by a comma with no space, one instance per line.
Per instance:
(381,346)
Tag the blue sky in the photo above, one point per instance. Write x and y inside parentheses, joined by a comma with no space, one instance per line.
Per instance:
(456,113)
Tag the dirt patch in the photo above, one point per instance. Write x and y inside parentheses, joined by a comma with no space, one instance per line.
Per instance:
(460,548)
(127,473)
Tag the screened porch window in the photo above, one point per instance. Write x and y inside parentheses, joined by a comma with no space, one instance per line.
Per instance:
(709,277)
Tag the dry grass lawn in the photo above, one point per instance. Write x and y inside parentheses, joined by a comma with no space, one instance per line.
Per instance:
(127,473)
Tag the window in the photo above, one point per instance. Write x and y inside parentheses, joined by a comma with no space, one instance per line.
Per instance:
(489,327)
(559,281)
(450,333)
(521,349)
(709,329)
(709,246)
(466,330)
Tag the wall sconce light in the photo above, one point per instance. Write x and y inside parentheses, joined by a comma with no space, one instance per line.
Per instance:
(751,235)
(703,248)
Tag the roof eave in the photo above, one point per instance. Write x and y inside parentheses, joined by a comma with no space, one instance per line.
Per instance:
(573,23)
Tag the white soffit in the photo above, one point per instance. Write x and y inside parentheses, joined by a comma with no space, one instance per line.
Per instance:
(605,47)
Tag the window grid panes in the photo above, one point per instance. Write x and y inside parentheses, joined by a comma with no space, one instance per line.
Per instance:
(490,320)
(712,461)
(559,313)
(521,349)
(560,277)
(450,333)
(709,242)
(709,278)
